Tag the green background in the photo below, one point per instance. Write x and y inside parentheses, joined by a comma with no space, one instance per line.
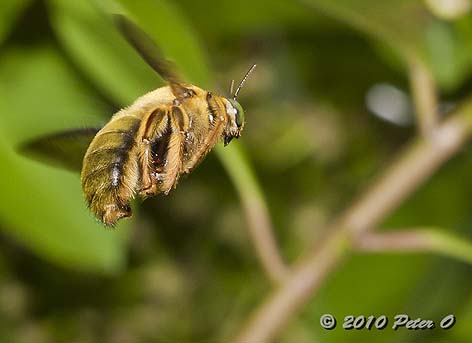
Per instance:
(183,268)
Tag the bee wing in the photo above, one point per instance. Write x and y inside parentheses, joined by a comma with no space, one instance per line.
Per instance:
(148,50)
(65,149)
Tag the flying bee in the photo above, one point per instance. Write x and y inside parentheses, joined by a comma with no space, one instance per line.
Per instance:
(145,148)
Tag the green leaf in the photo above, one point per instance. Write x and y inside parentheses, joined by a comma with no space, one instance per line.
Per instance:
(9,12)
(408,28)
(230,19)
(99,50)
(449,58)
(42,207)
(400,23)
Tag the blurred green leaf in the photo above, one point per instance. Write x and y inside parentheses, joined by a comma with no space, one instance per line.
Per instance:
(400,23)
(43,207)
(230,19)
(311,68)
(450,59)
(97,48)
(9,12)
(408,28)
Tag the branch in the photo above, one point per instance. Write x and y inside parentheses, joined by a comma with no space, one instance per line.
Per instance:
(255,209)
(414,240)
(417,240)
(414,166)
(424,93)
(307,276)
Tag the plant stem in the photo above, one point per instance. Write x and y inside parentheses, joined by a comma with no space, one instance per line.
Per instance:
(255,209)
(305,279)
(425,99)
(417,240)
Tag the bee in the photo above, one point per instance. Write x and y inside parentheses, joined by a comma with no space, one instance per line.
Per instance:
(144,149)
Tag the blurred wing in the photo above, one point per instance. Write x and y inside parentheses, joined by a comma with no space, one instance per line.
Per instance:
(65,149)
(148,50)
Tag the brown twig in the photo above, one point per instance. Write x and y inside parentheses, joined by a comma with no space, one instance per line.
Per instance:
(418,161)
(424,239)
(400,241)
(306,277)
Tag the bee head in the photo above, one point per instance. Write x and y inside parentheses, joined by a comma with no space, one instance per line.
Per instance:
(235,124)
(235,112)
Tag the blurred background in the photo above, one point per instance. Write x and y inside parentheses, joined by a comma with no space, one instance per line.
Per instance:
(327,109)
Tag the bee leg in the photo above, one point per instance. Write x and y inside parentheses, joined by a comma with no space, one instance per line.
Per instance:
(181,120)
(148,187)
(154,125)
(179,124)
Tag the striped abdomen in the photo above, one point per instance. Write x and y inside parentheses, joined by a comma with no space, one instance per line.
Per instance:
(110,172)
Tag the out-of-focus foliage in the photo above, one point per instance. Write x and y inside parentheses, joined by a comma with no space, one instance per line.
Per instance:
(34,195)
(184,268)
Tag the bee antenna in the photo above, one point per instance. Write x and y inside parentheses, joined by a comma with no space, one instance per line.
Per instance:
(231,88)
(241,84)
